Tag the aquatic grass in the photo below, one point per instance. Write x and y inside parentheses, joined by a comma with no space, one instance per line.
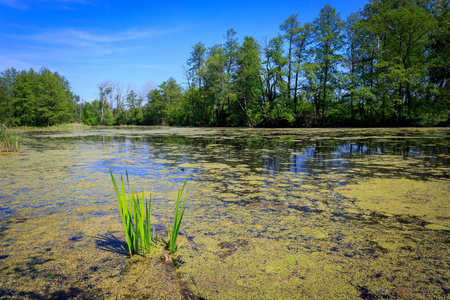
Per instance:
(134,210)
(9,140)
(136,219)
(172,236)
(71,126)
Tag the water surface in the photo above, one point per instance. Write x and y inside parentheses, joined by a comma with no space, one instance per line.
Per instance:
(272,213)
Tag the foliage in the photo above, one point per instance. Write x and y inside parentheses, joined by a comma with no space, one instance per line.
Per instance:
(9,140)
(136,220)
(29,98)
(172,235)
(386,65)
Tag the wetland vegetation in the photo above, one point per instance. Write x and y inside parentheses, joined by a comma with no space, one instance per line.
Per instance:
(9,140)
(136,219)
(272,213)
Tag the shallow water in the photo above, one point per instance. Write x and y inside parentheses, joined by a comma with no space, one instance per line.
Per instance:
(272,213)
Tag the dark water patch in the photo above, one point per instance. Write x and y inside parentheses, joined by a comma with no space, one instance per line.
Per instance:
(306,209)
(71,293)
(406,219)
(37,261)
(230,247)
(99,213)
(367,295)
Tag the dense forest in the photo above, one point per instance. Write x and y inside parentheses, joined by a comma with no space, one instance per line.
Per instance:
(29,98)
(386,65)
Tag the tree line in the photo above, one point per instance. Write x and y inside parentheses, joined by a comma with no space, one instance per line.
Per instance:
(386,65)
(30,98)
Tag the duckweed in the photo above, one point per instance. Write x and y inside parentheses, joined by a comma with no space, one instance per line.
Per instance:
(279,213)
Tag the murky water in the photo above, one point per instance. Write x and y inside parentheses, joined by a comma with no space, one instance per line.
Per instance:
(272,214)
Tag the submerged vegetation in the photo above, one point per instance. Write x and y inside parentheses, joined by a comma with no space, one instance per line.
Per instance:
(279,214)
(9,140)
(136,219)
(425,199)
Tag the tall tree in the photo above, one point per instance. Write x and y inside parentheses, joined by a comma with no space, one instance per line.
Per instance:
(105,92)
(275,94)
(291,29)
(402,29)
(134,104)
(248,81)
(196,74)
(328,42)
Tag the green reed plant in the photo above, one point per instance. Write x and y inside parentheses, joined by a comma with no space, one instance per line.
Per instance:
(135,218)
(9,140)
(172,235)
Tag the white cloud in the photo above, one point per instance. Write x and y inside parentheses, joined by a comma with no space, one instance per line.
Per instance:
(80,38)
(75,45)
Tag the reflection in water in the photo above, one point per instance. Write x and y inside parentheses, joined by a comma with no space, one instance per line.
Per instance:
(266,207)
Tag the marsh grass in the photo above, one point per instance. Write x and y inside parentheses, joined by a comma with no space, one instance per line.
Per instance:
(135,218)
(9,140)
(72,126)
(135,213)
(172,235)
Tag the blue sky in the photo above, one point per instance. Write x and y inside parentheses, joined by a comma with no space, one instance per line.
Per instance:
(134,42)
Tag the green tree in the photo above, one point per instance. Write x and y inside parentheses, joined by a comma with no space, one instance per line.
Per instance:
(298,38)
(328,42)
(196,74)
(134,104)
(154,110)
(248,84)
(217,79)
(104,94)
(91,113)
(172,95)
(25,100)
(402,30)
(439,69)
(55,98)
(275,98)
(7,86)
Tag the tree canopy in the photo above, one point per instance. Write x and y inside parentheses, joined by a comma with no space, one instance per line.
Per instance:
(30,98)
(387,64)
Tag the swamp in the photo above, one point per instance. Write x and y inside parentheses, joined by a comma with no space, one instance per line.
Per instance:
(270,214)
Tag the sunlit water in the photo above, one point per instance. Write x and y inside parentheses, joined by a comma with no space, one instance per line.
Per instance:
(271,213)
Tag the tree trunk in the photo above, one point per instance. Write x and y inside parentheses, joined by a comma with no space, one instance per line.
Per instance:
(325,79)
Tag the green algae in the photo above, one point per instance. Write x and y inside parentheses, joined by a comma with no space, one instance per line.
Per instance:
(262,222)
(425,199)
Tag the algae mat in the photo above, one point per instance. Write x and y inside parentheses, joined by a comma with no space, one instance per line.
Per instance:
(271,214)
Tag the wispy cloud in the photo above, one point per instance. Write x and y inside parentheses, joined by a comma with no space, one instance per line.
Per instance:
(8,61)
(82,38)
(77,45)
(27,4)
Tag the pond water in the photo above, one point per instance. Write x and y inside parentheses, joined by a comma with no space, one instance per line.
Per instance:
(271,213)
